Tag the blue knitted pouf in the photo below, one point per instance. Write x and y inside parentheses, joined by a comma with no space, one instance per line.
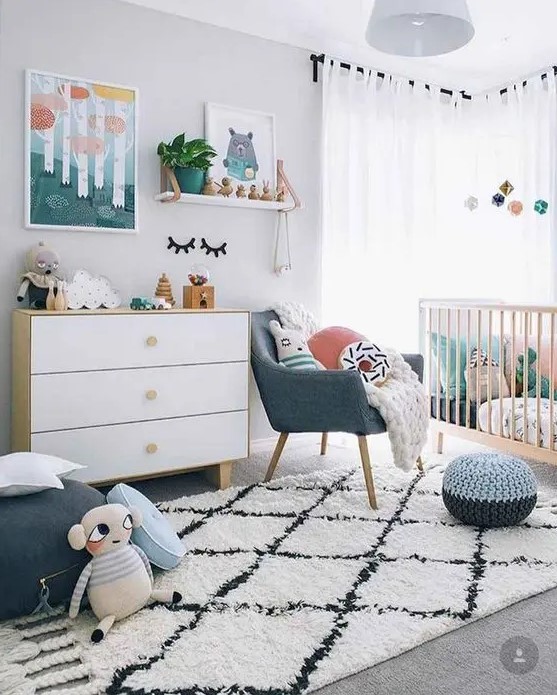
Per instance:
(489,490)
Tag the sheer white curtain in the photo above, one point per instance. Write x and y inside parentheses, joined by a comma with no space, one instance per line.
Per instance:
(399,162)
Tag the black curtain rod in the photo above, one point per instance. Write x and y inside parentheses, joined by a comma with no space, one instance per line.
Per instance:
(317,59)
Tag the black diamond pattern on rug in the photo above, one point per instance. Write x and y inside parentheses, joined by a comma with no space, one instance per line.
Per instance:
(301,569)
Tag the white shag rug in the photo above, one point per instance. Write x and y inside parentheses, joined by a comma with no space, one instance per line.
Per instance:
(294,584)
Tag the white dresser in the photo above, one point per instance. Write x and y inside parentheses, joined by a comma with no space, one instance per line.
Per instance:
(132,394)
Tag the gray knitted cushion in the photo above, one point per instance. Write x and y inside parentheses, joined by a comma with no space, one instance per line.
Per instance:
(34,545)
(489,490)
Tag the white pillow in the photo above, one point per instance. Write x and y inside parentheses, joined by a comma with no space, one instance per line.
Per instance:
(25,473)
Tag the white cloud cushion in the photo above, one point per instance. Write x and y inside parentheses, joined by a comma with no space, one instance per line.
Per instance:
(25,473)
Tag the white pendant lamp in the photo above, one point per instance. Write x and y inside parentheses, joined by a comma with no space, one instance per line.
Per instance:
(419,28)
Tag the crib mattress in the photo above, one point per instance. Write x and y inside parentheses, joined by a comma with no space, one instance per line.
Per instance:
(532,425)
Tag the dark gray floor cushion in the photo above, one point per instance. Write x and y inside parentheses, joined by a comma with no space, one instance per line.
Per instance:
(489,489)
(33,544)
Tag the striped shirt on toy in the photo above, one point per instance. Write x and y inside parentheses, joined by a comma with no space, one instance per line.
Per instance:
(292,349)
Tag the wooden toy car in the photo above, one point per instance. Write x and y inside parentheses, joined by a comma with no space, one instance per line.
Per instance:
(141,304)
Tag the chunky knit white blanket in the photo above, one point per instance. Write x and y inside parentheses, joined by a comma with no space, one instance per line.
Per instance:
(401,400)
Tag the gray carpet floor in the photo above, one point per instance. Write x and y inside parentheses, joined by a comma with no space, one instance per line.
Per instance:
(462,662)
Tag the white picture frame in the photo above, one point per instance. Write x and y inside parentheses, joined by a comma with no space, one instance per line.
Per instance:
(236,151)
(78,143)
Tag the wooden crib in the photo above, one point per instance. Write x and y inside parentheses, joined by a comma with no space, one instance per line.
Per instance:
(515,413)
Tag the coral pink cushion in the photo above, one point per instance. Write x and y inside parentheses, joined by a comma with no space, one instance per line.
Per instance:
(327,344)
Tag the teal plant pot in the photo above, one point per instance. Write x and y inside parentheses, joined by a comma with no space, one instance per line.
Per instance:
(190,180)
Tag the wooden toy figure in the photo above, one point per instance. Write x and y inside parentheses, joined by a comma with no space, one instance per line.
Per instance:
(60,303)
(226,188)
(164,289)
(281,195)
(267,195)
(241,191)
(210,187)
(253,194)
(50,297)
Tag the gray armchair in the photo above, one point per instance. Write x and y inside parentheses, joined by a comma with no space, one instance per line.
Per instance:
(310,401)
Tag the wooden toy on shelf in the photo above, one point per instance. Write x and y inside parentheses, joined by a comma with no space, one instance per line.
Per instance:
(267,195)
(283,198)
(164,289)
(50,297)
(61,301)
(210,188)
(198,295)
(161,303)
(226,188)
(141,304)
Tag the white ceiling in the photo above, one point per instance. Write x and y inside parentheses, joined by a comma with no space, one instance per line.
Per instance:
(513,37)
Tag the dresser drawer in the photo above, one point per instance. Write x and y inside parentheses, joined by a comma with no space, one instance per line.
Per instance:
(145,448)
(85,399)
(87,343)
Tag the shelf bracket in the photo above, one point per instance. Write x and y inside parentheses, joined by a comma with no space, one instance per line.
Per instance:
(283,182)
(169,177)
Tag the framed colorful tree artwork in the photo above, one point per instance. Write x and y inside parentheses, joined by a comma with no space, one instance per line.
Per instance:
(80,154)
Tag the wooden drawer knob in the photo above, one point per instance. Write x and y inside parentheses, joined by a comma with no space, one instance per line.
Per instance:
(152,341)
(152,448)
(151,395)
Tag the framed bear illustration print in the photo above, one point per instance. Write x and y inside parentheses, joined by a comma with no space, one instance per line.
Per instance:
(245,143)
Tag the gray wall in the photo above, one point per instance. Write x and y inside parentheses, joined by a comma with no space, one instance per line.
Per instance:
(177,65)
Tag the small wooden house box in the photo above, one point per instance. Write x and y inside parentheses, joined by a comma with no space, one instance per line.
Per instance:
(199,297)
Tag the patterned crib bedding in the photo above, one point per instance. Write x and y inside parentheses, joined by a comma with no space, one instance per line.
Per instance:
(531,420)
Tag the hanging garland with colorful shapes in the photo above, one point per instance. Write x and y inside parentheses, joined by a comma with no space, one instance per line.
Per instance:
(515,207)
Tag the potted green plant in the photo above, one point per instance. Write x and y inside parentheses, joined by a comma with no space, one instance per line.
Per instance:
(189,159)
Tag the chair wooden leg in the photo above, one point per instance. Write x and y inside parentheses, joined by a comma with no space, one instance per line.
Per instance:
(368,475)
(439,442)
(324,439)
(276,455)
(420,464)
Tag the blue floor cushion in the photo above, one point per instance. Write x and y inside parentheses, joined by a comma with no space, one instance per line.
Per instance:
(489,490)
(34,535)
(155,537)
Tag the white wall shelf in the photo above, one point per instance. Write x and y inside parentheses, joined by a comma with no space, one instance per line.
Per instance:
(221,201)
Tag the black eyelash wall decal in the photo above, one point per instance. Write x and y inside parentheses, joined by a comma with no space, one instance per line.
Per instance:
(209,249)
(181,247)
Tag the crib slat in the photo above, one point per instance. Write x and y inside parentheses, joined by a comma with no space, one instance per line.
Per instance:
(438,399)
(458,369)
(429,348)
(526,334)
(468,369)
(513,374)
(538,379)
(478,370)
(552,379)
(448,365)
(501,369)
(489,385)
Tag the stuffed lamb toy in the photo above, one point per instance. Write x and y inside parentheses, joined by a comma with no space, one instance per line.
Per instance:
(119,579)
(292,348)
